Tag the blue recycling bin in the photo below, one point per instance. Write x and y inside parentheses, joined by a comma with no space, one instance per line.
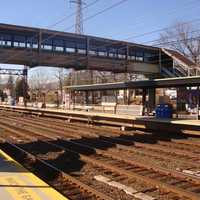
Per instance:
(158,111)
(164,111)
(13,102)
(168,111)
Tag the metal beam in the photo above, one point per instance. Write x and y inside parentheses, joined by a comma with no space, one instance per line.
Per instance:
(148,84)
(14,72)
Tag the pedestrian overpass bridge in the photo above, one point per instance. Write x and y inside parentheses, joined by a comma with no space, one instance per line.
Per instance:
(40,47)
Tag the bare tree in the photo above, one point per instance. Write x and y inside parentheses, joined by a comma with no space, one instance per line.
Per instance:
(184,38)
(21,88)
(11,85)
(60,76)
(38,82)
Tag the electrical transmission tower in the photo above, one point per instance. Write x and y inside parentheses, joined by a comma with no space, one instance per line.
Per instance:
(79,30)
(79,16)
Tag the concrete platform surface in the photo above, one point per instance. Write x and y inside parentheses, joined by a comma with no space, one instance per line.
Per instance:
(123,116)
(17,183)
(68,112)
(175,121)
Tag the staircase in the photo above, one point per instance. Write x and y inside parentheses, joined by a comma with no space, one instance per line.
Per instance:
(182,66)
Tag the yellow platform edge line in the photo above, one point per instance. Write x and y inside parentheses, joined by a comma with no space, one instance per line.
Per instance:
(48,191)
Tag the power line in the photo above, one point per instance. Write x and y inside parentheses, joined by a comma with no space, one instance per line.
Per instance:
(176,41)
(174,11)
(163,29)
(100,12)
(72,14)
(158,40)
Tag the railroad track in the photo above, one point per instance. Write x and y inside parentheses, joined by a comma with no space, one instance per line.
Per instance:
(66,184)
(117,174)
(134,170)
(155,154)
(63,123)
(124,142)
(52,148)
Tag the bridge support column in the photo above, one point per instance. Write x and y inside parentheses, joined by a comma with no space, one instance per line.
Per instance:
(144,94)
(151,99)
(86,98)
(126,100)
(57,99)
(181,102)
(198,104)
(25,85)
(43,100)
(93,97)
(72,100)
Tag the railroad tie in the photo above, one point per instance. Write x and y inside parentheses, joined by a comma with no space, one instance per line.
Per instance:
(128,190)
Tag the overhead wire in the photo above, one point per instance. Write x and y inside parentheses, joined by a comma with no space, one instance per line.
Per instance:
(168,37)
(174,11)
(72,14)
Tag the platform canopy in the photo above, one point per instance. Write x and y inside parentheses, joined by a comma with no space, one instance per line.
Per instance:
(155,83)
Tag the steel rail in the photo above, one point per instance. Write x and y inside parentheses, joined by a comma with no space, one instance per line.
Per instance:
(179,153)
(85,188)
(143,178)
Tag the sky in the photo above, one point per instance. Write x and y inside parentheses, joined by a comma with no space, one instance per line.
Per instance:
(128,21)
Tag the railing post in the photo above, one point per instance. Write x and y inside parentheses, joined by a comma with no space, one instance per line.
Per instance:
(198,103)
(87,46)
(188,72)
(25,85)
(127,55)
(160,61)
(144,93)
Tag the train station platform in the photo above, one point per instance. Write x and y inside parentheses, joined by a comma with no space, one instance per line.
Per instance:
(17,183)
(185,126)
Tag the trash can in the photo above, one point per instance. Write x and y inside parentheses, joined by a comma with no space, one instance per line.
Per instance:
(158,111)
(168,111)
(13,102)
(164,111)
